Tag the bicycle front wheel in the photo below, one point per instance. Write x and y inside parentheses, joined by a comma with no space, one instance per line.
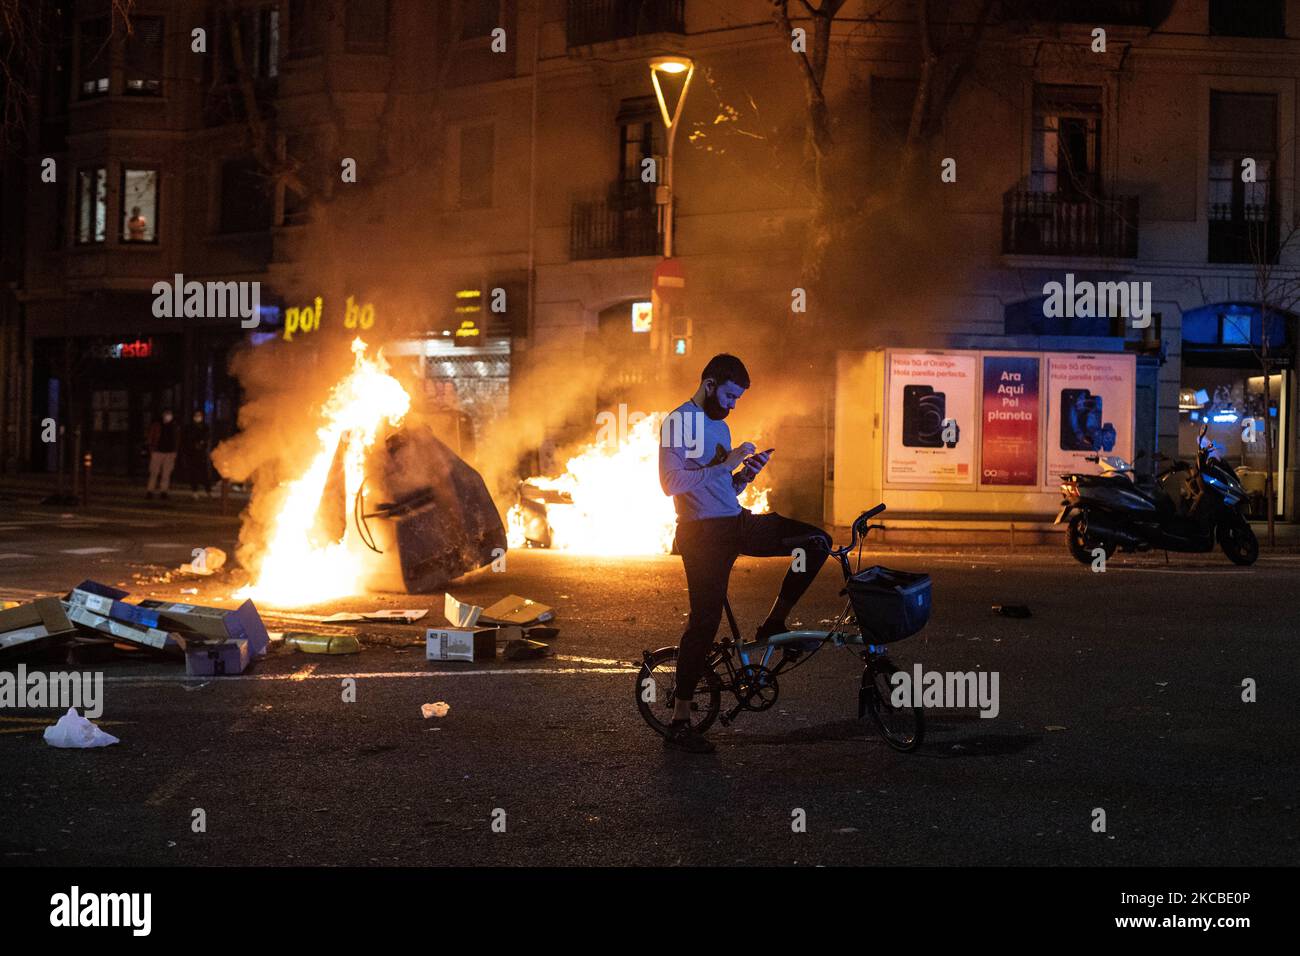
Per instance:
(903,727)
(656,686)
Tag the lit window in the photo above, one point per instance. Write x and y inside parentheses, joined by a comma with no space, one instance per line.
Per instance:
(139,205)
(92,204)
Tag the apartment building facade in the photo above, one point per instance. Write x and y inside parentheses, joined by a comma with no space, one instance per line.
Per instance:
(1071,164)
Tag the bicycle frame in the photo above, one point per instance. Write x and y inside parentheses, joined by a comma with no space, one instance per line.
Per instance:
(835,635)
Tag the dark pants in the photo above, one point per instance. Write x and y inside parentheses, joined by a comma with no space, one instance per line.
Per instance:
(709,548)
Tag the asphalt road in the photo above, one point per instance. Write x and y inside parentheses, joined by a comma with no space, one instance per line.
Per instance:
(1122,692)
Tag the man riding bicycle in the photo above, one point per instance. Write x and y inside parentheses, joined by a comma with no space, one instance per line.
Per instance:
(703,473)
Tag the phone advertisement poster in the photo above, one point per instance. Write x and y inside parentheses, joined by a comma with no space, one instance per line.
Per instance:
(931,422)
(1090,411)
(1010,419)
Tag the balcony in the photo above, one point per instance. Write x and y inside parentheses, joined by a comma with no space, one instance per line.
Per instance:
(1059,224)
(1136,13)
(1248,234)
(615,228)
(599,21)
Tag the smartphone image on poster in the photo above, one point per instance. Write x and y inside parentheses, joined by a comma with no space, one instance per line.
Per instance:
(923,415)
(1080,419)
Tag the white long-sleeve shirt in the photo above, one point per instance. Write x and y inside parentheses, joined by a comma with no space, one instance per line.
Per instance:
(692,447)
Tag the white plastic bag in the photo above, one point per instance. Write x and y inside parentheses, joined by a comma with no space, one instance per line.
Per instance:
(77,732)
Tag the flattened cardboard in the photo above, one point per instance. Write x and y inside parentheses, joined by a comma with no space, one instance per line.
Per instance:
(33,626)
(513,609)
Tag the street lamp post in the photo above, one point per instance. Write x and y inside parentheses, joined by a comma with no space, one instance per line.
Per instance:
(670,66)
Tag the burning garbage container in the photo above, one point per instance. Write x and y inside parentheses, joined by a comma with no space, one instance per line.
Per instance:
(427,515)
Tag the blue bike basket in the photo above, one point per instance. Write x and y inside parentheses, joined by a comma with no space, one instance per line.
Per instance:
(889,605)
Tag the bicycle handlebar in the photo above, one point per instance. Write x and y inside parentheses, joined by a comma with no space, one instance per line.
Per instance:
(860,528)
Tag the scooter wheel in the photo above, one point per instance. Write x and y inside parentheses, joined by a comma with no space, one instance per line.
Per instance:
(1082,544)
(1238,541)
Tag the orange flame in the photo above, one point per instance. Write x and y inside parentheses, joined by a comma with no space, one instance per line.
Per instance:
(295,571)
(617,505)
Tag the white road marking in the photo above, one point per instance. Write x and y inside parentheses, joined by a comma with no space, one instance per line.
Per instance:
(14,556)
(89,550)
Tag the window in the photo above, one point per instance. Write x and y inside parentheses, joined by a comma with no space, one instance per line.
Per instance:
(476,167)
(1243,223)
(245,202)
(1248,18)
(479,18)
(1066,150)
(366,26)
(92,204)
(304,30)
(640,137)
(93,57)
(144,57)
(139,205)
(259,40)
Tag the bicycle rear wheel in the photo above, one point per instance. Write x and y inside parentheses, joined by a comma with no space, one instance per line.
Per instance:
(902,727)
(656,685)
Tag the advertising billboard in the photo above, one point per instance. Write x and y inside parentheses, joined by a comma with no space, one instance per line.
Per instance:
(1090,411)
(931,420)
(1009,417)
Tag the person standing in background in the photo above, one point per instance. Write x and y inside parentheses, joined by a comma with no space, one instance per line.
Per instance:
(193,463)
(163,440)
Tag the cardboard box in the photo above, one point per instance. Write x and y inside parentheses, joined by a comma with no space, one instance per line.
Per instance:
(215,623)
(211,660)
(34,626)
(460,644)
(144,636)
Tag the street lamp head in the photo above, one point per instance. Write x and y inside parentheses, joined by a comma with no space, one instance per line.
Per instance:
(674,66)
(671,64)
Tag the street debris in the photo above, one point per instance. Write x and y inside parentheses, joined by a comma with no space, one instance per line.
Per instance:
(206,562)
(34,626)
(76,732)
(523,649)
(436,709)
(460,644)
(322,643)
(358,617)
(212,660)
(94,622)
(1012,610)
(458,614)
(512,609)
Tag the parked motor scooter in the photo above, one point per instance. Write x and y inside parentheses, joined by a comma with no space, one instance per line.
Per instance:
(1109,511)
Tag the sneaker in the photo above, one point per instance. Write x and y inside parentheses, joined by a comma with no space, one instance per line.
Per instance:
(682,736)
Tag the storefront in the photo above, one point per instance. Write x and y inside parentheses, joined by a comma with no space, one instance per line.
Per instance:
(104,387)
(1223,388)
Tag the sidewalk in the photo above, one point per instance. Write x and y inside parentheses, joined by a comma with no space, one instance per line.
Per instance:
(113,493)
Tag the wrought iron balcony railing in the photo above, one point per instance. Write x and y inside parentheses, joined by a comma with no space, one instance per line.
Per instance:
(616,227)
(597,21)
(1059,224)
